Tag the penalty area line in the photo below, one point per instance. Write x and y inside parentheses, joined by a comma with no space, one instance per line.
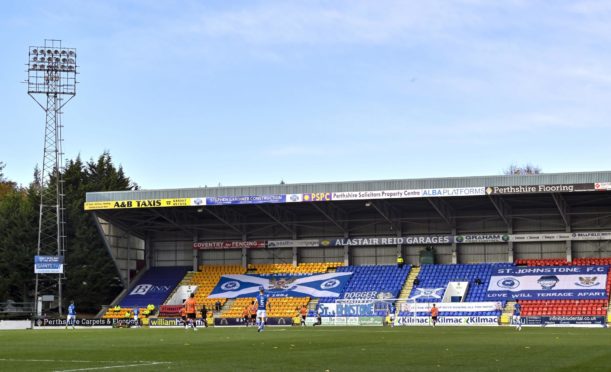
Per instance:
(111,367)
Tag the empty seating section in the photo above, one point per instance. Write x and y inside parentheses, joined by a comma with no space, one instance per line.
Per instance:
(438,276)
(279,307)
(206,280)
(543,262)
(286,306)
(303,268)
(592,261)
(566,307)
(236,309)
(123,313)
(372,282)
(385,279)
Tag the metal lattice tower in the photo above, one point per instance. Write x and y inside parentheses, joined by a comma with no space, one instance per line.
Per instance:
(51,77)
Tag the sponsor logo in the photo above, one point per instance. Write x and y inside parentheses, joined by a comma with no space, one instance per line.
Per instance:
(602,186)
(510,283)
(587,281)
(230,286)
(294,198)
(77,322)
(360,295)
(317,196)
(282,283)
(450,320)
(331,283)
(533,189)
(198,201)
(143,289)
(548,281)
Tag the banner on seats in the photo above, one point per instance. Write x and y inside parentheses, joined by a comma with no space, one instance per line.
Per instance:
(549,283)
(320,285)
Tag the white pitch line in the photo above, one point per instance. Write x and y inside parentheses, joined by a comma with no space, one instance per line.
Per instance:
(110,367)
(76,361)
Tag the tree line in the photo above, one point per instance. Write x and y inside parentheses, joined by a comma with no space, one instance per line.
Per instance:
(92,279)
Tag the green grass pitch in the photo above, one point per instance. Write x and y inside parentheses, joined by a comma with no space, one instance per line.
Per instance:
(308,349)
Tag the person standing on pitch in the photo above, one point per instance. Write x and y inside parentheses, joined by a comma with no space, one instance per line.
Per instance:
(191,311)
(262,304)
(517,319)
(71,320)
(304,314)
(318,319)
(205,315)
(252,309)
(434,314)
(136,320)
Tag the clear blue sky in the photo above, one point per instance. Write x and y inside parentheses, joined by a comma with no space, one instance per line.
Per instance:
(194,93)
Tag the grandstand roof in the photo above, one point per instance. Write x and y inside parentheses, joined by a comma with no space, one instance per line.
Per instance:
(324,187)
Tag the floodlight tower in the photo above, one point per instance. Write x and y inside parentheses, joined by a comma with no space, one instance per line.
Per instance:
(52,84)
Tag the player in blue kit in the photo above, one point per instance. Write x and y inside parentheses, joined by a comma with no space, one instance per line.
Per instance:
(71,315)
(517,320)
(262,305)
(391,314)
(136,320)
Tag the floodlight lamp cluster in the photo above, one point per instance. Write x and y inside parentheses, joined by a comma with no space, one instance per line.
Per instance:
(62,60)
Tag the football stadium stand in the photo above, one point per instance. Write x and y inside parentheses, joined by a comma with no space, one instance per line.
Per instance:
(205,280)
(438,277)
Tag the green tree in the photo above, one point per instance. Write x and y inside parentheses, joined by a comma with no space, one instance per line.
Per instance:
(18,235)
(92,277)
(6,186)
